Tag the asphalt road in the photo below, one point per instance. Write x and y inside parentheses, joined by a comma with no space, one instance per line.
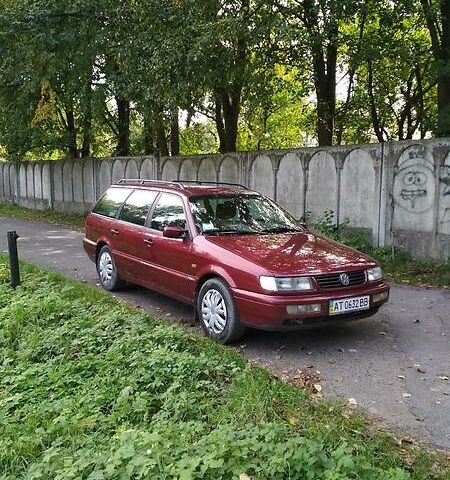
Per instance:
(389,364)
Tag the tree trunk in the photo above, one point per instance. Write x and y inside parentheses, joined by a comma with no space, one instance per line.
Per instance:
(443,129)
(174,133)
(377,127)
(161,139)
(123,126)
(87,125)
(440,43)
(149,133)
(219,125)
(72,133)
(325,85)
(228,107)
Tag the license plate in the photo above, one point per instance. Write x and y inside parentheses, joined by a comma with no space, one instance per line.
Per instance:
(345,305)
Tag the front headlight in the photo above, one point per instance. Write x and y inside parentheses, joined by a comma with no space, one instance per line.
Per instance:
(374,274)
(286,284)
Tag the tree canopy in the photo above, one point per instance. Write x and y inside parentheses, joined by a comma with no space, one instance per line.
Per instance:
(94,78)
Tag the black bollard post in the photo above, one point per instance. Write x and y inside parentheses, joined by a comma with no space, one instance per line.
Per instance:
(13,259)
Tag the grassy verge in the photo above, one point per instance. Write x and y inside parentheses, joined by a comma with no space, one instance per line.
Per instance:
(401,268)
(67,219)
(397,264)
(92,388)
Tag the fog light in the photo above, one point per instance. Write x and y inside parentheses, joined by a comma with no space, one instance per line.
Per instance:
(303,309)
(379,297)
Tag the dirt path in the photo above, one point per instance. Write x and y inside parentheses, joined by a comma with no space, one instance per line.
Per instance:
(390,364)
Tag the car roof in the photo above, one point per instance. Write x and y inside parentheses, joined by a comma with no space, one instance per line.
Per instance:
(187,187)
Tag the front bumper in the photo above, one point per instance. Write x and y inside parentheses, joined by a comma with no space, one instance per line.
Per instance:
(269,312)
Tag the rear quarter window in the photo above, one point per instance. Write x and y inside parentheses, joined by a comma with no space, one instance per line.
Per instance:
(111,201)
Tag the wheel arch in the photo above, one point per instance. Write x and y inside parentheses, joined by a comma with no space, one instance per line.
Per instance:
(100,245)
(216,273)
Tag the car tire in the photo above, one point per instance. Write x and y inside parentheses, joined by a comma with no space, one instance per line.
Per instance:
(217,312)
(107,270)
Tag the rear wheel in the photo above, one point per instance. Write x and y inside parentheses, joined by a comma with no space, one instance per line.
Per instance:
(217,312)
(107,271)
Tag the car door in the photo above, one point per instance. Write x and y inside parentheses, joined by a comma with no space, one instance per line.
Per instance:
(103,229)
(133,258)
(172,257)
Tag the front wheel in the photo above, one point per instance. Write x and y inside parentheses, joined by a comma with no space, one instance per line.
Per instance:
(107,271)
(217,312)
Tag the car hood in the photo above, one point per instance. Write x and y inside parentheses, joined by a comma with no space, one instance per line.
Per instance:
(294,253)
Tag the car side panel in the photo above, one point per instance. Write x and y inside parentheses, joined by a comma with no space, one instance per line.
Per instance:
(173,265)
(98,230)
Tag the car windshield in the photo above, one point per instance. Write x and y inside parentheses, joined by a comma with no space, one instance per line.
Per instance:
(240,214)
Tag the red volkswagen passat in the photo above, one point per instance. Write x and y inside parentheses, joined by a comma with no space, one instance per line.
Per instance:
(240,259)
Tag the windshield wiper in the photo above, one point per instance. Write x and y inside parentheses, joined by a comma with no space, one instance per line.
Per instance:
(228,231)
(281,230)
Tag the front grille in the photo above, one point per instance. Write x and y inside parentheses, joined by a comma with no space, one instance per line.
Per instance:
(332,280)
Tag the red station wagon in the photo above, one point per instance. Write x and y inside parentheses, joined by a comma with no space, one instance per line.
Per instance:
(234,254)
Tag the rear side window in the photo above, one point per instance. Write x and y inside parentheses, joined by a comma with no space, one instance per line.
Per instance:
(169,211)
(111,201)
(137,205)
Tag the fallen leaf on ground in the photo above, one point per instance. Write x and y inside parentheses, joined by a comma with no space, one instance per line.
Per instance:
(402,440)
(406,395)
(318,387)
(244,476)
(443,377)
(381,333)
(293,421)
(306,380)
(352,401)
(401,376)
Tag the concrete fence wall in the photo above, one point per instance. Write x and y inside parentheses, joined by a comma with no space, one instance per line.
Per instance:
(400,192)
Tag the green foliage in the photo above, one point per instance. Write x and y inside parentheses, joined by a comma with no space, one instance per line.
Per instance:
(398,265)
(65,65)
(4,271)
(94,389)
(199,138)
(326,225)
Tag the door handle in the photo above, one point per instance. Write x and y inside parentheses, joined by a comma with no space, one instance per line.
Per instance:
(114,231)
(148,241)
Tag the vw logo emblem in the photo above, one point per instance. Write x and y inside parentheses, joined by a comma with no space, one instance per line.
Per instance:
(344,278)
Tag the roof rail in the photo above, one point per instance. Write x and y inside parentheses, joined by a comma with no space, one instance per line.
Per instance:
(139,181)
(202,182)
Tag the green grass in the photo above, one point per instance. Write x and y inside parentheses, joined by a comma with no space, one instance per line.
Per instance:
(67,219)
(401,268)
(91,388)
(398,265)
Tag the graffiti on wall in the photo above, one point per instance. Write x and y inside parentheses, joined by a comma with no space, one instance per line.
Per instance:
(414,183)
(445,181)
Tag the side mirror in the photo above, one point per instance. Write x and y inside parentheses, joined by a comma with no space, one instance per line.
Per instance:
(172,231)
